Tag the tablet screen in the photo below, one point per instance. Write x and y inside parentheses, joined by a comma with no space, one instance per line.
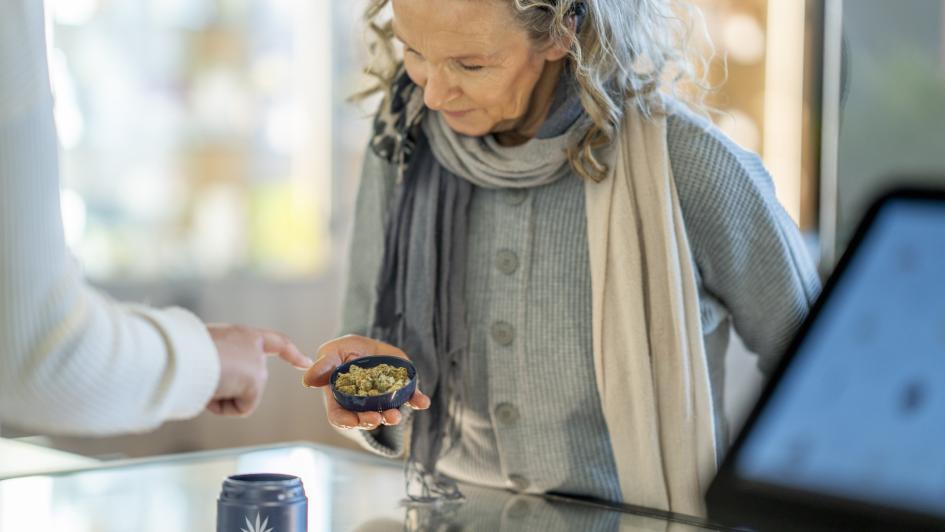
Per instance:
(860,412)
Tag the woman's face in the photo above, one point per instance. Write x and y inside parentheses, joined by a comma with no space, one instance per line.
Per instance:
(474,63)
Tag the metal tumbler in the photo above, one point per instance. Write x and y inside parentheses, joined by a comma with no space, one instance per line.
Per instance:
(262,502)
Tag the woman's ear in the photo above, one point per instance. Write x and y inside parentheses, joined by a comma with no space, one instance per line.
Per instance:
(561,50)
(556,52)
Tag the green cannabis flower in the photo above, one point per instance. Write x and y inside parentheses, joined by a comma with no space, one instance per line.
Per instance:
(368,382)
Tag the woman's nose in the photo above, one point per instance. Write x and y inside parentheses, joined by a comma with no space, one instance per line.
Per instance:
(438,90)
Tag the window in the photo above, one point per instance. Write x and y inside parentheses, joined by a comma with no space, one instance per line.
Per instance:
(198,136)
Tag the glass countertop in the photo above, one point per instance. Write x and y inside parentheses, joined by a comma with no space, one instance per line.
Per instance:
(347,491)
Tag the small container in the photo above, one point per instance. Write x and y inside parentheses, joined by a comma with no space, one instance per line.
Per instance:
(377,403)
(261,502)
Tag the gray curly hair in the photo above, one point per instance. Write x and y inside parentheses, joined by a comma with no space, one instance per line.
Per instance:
(625,52)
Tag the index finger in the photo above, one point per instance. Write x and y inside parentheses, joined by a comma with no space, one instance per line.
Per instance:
(279,344)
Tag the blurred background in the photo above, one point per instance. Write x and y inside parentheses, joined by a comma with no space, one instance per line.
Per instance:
(211,159)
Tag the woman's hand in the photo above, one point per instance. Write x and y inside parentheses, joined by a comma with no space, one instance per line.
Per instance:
(340,350)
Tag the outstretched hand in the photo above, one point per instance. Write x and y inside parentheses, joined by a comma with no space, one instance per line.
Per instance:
(340,350)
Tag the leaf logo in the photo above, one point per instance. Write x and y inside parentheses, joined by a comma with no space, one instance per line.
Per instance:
(258,527)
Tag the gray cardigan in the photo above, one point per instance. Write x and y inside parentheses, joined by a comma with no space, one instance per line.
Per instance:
(533,420)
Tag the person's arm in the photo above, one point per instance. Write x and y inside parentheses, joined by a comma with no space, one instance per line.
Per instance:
(364,263)
(71,360)
(366,247)
(750,253)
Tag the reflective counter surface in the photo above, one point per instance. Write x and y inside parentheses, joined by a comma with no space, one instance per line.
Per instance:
(346,490)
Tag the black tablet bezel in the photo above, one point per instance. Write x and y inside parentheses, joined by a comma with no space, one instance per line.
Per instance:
(740,502)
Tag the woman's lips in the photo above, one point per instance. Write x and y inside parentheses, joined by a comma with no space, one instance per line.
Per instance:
(457,114)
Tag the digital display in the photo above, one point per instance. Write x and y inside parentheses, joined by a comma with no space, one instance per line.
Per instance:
(860,411)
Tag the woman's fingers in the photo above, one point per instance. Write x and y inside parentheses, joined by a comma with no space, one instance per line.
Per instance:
(419,401)
(338,416)
(340,350)
(391,417)
(346,419)
(332,354)
(369,420)
(320,372)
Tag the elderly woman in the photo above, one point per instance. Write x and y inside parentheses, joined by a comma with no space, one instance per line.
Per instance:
(561,248)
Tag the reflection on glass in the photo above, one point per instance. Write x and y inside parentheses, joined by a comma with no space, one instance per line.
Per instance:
(180,494)
(347,491)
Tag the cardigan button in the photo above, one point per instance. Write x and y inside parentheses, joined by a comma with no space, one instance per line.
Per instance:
(515,196)
(506,261)
(503,333)
(506,413)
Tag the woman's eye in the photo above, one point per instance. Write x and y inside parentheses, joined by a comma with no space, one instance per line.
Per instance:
(470,68)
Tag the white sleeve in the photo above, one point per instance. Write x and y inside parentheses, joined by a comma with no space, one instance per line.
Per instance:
(71,360)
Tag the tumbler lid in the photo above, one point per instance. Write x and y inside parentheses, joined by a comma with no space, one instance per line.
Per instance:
(262,489)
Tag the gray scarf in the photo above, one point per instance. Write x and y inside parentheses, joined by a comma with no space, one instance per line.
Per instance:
(485,163)
(420,301)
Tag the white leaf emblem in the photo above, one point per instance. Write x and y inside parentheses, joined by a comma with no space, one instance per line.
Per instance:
(258,527)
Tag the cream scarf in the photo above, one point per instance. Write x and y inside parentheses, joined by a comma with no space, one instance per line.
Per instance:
(649,356)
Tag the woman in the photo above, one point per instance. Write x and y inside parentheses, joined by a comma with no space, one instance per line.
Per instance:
(561,248)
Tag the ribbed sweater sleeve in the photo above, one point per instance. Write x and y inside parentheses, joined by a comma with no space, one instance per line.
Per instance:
(364,263)
(71,360)
(749,252)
